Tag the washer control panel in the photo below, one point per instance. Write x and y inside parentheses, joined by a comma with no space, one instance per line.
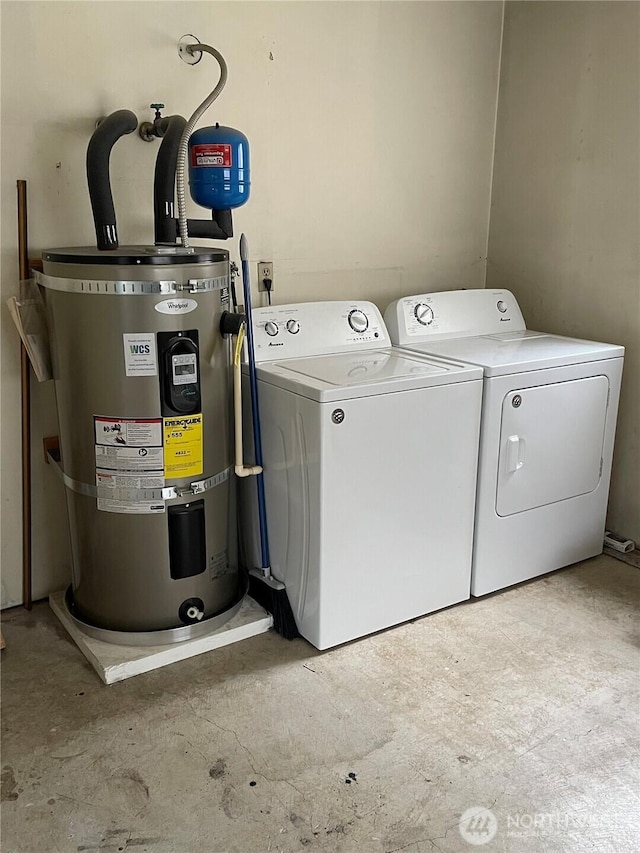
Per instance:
(452,314)
(317,328)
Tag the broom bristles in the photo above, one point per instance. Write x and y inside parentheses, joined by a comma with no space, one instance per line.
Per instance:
(273,597)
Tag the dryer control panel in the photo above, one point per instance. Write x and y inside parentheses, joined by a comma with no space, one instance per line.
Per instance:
(317,328)
(452,314)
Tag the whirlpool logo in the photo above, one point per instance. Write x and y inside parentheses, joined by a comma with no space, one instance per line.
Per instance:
(176,306)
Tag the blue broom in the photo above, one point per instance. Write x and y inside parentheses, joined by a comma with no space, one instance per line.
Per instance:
(266,590)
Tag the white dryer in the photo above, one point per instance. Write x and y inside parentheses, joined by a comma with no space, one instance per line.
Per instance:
(549,414)
(370,459)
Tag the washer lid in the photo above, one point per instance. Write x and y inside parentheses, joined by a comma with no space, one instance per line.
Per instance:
(347,376)
(520,351)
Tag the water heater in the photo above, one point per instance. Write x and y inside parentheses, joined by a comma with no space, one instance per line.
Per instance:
(142,388)
(141,355)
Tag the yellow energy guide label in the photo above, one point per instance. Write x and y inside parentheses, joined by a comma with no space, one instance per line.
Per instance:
(183,446)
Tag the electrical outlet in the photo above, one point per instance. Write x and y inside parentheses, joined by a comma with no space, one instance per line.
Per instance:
(265,270)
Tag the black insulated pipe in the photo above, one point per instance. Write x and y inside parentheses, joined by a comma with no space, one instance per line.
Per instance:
(104,138)
(219,228)
(231,323)
(164,181)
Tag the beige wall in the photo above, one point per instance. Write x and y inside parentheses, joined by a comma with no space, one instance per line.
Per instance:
(371,130)
(565,220)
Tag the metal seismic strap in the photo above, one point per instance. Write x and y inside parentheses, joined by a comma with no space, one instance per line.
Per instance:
(131,288)
(164,494)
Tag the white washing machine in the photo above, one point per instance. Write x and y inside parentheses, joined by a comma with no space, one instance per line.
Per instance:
(549,414)
(370,459)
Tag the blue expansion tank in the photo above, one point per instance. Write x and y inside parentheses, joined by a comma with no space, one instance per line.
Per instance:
(219,174)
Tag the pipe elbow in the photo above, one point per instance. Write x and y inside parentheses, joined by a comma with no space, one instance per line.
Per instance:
(104,137)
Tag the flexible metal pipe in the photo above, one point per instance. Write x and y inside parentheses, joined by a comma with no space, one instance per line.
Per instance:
(184,141)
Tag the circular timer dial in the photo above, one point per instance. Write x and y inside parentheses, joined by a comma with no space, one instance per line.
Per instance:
(271,328)
(423,313)
(293,326)
(358,321)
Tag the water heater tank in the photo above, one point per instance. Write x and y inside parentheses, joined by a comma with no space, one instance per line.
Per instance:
(142,385)
(219,175)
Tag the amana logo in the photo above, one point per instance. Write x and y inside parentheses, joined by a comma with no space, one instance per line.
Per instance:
(176,306)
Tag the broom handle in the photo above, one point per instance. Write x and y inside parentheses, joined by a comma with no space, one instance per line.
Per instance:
(255,413)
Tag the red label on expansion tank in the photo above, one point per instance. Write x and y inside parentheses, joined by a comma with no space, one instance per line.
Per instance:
(211,155)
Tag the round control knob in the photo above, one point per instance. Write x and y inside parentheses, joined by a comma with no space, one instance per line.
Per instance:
(293,326)
(423,313)
(271,328)
(358,321)
(501,306)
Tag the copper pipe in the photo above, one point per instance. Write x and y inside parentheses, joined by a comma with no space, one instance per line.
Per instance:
(25,387)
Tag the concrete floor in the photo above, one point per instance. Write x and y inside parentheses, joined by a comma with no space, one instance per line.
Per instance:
(525,703)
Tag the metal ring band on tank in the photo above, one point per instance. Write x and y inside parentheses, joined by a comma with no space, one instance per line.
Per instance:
(164,636)
(165,494)
(131,288)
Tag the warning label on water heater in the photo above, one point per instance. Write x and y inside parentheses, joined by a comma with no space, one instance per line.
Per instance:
(183,446)
(129,460)
(128,432)
(119,492)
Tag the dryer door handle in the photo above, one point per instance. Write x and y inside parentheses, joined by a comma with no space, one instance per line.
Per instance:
(515,453)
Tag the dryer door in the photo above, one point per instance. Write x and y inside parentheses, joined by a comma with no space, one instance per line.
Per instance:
(551,443)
